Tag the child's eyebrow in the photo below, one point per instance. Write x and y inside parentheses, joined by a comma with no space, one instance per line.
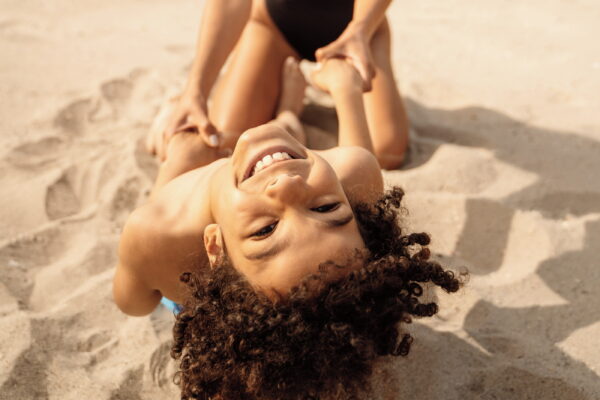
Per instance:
(333,223)
(269,252)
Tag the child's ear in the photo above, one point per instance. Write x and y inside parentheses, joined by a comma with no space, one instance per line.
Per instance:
(213,243)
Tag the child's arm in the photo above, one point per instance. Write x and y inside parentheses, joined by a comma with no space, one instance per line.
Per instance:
(185,152)
(131,289)
(353,127)
(339,78)
(131,294)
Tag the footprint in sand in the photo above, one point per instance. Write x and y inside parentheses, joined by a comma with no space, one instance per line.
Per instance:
(131,386)
(133,99)
(37,248)
(74,117)
(61,200)
(30,366)
(160,365)
(29,374)
(93,340)
(100,258)
(37,153)
(22,257)
(98,344)
(117,93)
(117,90)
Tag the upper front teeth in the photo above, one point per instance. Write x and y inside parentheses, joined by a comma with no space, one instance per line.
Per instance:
(270,159)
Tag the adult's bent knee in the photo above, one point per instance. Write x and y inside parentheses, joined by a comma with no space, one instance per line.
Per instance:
(390,160)
(391,155)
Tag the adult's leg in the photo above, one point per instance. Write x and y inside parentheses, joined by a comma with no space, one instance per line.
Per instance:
(246,95)
(386,115)
(187,151)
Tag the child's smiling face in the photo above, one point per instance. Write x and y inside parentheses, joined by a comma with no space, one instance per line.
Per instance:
(279,219)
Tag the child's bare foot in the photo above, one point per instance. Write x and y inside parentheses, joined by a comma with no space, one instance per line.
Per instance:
(336,74)
(155,143)
(291,99)
(293,86)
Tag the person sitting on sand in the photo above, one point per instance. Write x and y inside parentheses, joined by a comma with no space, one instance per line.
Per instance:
(259,35)
(303,275)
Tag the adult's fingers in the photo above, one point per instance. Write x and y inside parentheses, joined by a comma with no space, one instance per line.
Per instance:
(364,65)
(150,140)
(209,134)
(178,123)
(206,130)
(163,138)
(175,124)
(325,52)
(161,146)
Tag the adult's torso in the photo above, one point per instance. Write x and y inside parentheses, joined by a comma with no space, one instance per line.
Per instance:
(308,25)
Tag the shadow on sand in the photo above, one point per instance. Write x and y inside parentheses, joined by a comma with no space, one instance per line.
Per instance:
(501,363)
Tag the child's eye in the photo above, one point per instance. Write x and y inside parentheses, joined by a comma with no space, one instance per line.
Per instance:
(327,207)
(265,230)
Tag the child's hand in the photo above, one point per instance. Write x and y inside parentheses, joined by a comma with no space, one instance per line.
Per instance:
(353,46)
(336,74)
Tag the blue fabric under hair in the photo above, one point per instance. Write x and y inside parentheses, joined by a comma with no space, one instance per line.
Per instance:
(171,305)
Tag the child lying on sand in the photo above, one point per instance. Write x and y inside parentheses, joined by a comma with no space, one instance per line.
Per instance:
(295,272)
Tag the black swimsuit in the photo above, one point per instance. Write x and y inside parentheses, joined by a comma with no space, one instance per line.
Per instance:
(310,24)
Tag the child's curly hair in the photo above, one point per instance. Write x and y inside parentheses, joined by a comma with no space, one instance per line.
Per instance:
(234,343)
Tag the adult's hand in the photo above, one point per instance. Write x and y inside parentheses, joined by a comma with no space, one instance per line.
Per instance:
(189,114)
(352,45)
(185,113)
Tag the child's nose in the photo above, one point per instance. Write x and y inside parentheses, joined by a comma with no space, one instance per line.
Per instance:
(288,188)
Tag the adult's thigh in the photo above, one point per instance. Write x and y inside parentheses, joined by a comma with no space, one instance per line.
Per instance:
(246,94)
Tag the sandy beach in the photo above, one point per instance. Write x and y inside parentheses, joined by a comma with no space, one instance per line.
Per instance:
(503,172)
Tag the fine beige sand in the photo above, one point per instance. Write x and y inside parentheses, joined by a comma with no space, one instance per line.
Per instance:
(503,171)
